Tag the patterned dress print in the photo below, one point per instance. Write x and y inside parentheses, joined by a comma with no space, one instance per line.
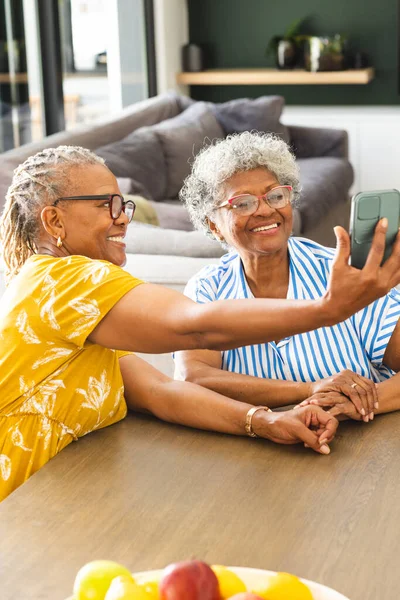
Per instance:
(56,386)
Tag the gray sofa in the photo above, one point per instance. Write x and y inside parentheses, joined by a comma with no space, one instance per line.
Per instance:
(149,146)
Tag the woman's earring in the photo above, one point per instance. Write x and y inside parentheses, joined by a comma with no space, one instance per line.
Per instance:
(217,234)
(59,242)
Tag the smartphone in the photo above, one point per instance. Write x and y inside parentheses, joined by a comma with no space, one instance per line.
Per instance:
(367,208)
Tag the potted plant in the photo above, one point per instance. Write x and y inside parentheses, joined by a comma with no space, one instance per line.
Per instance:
(285,47)
(326,53)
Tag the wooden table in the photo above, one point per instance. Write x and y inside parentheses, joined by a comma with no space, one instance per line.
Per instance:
(146,493)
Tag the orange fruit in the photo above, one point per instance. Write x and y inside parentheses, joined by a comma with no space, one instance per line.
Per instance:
(284,586)
(229,583)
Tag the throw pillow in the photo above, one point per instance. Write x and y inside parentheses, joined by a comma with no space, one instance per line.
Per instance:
(144,212)
(181,138)
(140,157)
(172,216)
(130,186)
(245,114)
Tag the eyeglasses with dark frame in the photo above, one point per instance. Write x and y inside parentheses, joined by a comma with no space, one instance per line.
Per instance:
(247,204)
(117,204)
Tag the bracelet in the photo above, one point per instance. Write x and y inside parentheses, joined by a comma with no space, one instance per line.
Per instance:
(248,424)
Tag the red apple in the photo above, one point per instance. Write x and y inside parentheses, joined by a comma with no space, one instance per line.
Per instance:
(245,596)
(189,580)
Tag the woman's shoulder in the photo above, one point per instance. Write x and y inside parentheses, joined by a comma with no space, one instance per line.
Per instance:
(64,262)
(216,271)
(72,272)
(207,282)
(314,250)
(72,266)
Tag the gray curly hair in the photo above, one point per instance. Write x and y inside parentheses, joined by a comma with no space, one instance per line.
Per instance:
(203,189)
(36,183)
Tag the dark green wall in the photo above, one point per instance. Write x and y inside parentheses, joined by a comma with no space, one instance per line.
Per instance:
(235,34)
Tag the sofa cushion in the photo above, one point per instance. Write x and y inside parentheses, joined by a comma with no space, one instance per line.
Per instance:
(140,157)
(147,239)
(308,142)
(171,271)
(325,182)
(172,215)
(246,114)
(127,185)
(169,214)
(181,138)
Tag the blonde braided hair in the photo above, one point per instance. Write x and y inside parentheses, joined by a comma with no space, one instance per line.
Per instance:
(36,183)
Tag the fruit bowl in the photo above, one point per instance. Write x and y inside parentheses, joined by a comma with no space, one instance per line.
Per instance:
(252,578)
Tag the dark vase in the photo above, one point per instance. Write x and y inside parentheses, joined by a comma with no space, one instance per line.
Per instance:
(286,54)
(192,58)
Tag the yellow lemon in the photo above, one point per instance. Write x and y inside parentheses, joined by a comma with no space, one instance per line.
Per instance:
(284,586)
(229,583)
(123,588)
(94,579)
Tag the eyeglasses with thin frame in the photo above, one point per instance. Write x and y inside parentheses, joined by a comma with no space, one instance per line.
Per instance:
(247,204)
(116,201)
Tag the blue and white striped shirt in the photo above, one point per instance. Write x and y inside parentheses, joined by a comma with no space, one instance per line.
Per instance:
(358,344)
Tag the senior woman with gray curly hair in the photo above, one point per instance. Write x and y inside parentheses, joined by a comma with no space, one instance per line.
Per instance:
(241,191)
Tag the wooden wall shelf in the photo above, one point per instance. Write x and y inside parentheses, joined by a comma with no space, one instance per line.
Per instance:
(276,77)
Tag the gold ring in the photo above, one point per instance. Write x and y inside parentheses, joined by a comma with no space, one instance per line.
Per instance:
(354,385)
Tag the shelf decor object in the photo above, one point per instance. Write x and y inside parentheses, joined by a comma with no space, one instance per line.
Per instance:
(192,58)
(325,53)
(286,47)
(276,77)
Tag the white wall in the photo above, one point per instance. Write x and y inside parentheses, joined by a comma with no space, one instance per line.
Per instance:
(171,33)
(374,134)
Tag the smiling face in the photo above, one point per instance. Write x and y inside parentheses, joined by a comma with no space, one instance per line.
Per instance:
(264,232)
(86,226)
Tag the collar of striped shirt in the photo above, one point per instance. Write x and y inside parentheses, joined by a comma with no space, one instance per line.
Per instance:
(309,268)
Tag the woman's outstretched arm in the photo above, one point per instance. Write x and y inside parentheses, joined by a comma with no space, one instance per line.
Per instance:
(154,319)
(204,367)
(148,390)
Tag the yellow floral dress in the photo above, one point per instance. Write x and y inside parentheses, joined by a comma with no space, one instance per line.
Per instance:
(55,385)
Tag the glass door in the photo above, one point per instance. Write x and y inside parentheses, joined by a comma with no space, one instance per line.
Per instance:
(92,56)
(84,33)
(104,57)
(15,111)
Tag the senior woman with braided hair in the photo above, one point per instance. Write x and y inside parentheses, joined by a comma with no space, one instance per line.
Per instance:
(241,191)
(71,316)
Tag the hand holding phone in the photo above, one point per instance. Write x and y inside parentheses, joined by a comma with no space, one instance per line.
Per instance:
(350,289)
(367,208)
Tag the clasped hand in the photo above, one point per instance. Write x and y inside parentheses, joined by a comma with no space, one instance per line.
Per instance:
(345,393)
